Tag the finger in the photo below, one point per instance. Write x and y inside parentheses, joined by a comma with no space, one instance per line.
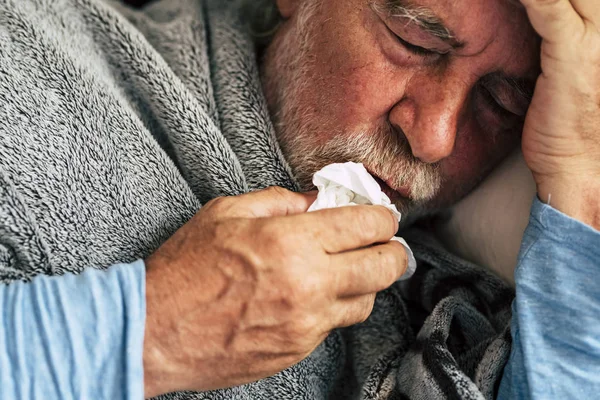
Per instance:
(272,202)
(555,21)
(348,228)
(368,270)
(588,9)
(353,310)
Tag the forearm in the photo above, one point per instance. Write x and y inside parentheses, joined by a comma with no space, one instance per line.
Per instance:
(72,337)
(556,350)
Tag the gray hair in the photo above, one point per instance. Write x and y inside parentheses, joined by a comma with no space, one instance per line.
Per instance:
(264,19)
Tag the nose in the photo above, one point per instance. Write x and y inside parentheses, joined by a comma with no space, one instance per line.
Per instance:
(429,115)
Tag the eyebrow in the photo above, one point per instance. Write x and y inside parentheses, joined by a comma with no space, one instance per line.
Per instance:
(427,20)
(423,17)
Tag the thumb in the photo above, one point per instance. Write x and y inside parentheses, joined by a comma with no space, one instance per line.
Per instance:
(274,202)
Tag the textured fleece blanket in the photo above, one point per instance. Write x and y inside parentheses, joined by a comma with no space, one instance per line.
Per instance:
(116,125)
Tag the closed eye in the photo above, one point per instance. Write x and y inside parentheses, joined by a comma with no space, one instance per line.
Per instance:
(417,50)
(493,113)
(490,100)
(493,101)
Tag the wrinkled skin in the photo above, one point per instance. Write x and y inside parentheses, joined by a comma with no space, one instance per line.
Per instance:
(253,284)
(205,295)
(337,71)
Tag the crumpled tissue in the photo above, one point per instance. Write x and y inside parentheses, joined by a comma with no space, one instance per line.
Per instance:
(350,184)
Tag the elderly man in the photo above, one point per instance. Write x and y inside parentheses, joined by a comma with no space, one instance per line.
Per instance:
(118,125)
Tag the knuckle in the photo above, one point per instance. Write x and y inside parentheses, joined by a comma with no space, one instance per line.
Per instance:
(278,191)
(307,326)
(366,309)
(301,332)
(360,310)
(305,288)
(219,204)
(381,220)
(369,228)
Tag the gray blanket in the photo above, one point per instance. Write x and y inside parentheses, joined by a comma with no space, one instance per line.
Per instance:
(116,125)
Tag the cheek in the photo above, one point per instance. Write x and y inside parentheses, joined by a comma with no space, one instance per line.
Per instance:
(474,156)
(357,94)
(356,98)
(354,82)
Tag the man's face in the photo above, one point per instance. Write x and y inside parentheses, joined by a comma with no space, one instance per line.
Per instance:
(429,95)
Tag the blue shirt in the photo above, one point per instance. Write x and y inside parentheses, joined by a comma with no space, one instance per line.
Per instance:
(74,337)
(81,337)
(556,313)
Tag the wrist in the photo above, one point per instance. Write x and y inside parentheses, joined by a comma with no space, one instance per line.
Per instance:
(183,335)
(161,374)
(579,199)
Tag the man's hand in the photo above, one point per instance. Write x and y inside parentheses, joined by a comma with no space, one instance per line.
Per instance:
(253,284)
(561,139)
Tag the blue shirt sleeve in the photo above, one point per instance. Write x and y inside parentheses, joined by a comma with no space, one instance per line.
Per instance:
(74,336)
(556,312)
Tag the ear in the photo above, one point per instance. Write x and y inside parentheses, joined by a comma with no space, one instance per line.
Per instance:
(287,8)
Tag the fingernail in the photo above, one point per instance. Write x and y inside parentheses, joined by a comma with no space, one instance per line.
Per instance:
(412,262)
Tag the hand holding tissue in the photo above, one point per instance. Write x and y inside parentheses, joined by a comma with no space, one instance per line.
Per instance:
(351,184)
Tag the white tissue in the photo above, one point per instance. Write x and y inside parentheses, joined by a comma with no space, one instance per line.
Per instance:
(350,184)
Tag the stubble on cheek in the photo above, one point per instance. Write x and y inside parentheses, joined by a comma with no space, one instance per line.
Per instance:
(300,106)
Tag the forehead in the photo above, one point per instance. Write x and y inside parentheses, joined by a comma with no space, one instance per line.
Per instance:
(483,27)
(476,22)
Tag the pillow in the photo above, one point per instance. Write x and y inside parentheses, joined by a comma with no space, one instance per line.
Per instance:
(487,226)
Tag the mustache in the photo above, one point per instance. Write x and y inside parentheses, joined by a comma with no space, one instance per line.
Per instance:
(408,169)
(385,151)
